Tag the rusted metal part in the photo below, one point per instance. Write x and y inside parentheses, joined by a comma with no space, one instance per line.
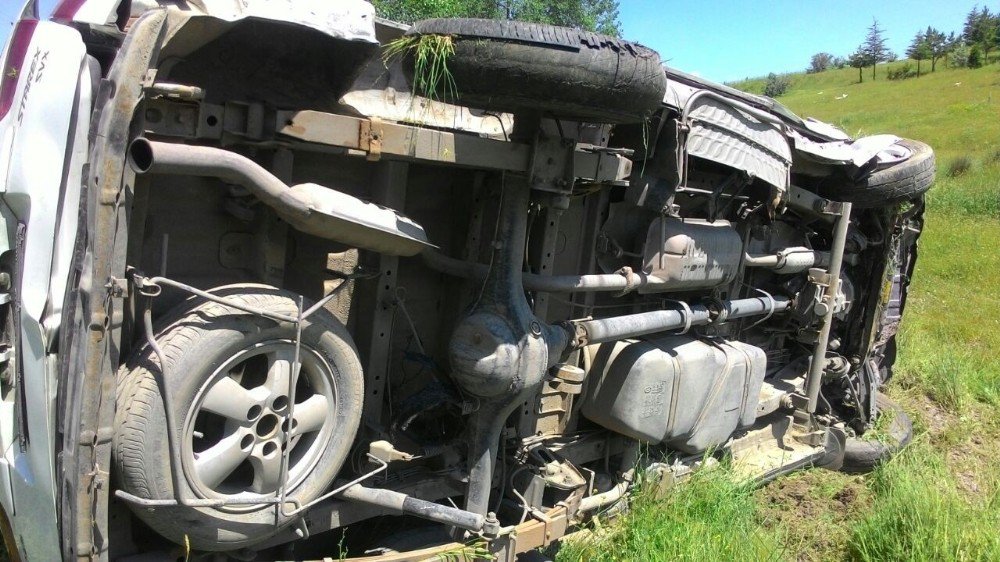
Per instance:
(810,204)
(552,164)
(546,258)
(541,532)
(84,508)
(376,139)
(442,147)
(309,208)
(370,138)
(549,526)
(176,91)
(375,328)
(552,407)
(500,352)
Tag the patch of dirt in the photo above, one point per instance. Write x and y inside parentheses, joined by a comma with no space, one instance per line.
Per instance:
(814,509)
(933,416)
(968,482)
(969,461)
(968,440)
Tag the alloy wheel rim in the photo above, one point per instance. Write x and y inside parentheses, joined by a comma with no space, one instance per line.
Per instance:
(235,433)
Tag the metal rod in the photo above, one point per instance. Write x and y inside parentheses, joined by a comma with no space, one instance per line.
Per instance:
(402,503)
(634,325)
(145,283)
(221,502)
(597,501)
(610,283)
(293,378)
(165,394)
(814,378)
(382,466)
(789,260)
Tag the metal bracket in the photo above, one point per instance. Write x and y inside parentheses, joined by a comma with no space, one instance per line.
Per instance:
(189,119)
(794,401)
(117,288)
(552,166)
(819,276)
(372,133)
(246,120)
(827,207)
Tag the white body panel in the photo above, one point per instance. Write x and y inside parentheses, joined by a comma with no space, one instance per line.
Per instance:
(44,152)
(352,20)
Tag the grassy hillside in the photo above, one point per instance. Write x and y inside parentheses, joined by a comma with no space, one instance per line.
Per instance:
(940,500)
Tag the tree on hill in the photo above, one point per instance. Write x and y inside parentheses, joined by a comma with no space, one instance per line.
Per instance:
(937,43)
(980,29)
(776,85)
(919,49)
(820,62)
(592,15)
(859,60)
(976,57)
(958,55)
(875,47)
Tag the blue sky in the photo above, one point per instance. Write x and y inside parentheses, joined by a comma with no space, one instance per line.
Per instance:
(729,39)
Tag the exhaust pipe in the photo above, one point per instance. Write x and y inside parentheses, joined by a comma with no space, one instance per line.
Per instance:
(309,208)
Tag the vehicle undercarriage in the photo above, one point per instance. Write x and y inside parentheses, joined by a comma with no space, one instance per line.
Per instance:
(311,310)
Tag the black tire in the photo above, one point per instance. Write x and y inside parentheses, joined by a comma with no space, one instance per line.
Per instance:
(197,339)
(861,456)
(903,182)
(517,66)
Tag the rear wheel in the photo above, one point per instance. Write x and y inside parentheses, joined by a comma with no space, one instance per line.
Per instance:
(518,66)
(238,411)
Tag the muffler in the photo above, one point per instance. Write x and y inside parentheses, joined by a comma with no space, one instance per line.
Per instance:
(308,207)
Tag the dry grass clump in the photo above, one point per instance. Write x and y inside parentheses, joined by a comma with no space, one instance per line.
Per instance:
(959,167)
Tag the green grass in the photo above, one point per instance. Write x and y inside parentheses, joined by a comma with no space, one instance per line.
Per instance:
(939,500)
(710,517)
(918,514)
(430,53)
(955,119)
(951,336)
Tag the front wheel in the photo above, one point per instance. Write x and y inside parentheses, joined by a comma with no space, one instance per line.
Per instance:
(896,184)
(863,455)
(230,379)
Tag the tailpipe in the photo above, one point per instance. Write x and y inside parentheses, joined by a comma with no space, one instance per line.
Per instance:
(309,208)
